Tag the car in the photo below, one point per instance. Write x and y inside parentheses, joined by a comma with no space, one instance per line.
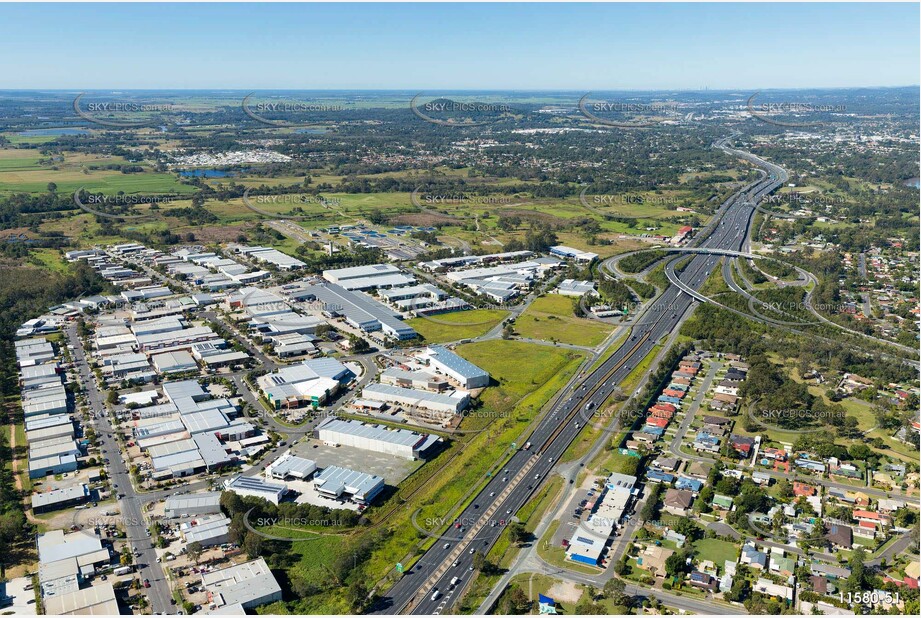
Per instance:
(454,564)
(471,550)
(446,546)
(147,583)
(491,494)
(435,594)
(508,512)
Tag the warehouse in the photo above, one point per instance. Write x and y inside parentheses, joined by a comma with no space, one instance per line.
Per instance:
(98,600)
(437,402)
(208,531)
(159,325)
(174,362)
(127,366)
(334,482)
(51,448)
(377,438)
(56,420)
(291,466)
(207,420)
(463,371)
(249,486)
(576,254)
(413,379)
(49,400)
(60,498)
(359,310)
(249,585)
(192,505)
(265,254)
(180,457)
(211,451)
(412,293)
(368,277)
(56,464)
(312,382)
(59,430)
(158,427)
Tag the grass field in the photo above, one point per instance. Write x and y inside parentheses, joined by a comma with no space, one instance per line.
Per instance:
(457,325)
(716,551)
(551,318)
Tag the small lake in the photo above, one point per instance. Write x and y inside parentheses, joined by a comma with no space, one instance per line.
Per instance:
(206,174)
(311,131)
(52,132)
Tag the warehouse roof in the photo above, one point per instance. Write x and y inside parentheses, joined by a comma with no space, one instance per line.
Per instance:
(97,600)
(56,496)
(242,583)
(385,390)
(454,362)
(402,437)
(336,480)
(193,501)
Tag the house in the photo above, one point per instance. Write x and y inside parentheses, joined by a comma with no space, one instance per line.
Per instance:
(678,501)
(720,502)
(761,478)
(753,557)
(742,445)
(688,483)
(840,536)
(704,581)
(653,559)
(829,571)
(866,530)
(666,463)
(804,489)
(657,476)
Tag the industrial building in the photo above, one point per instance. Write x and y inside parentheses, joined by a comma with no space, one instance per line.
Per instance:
(312,382)
(369,277)
(55,464)
(413,379)
(193,505)
(280,260)
(452,403)
(359,310)
(250,486)
(460,369)
(377,438)
(335,482)
(174,362)
(60,498)
(249,585)
(208,531)
(290,466)
(575,254)
(97,600)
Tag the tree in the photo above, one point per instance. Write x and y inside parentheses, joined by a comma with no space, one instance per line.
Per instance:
(252,545)
(615,590)
(358,344)
(516,532)
(516,602)
(112,397)
(194,549)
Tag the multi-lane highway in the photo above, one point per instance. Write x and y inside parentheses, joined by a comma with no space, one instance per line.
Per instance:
(435,587)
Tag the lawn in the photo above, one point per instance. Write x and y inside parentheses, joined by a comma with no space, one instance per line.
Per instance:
(551,318)
(109,182)
(716,551)
(457,325)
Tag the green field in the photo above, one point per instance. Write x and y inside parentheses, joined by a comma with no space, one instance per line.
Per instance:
(551,318)
(457,325)
(716,551)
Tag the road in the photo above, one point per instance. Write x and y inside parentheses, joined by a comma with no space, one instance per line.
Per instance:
(129,501)
(429,590)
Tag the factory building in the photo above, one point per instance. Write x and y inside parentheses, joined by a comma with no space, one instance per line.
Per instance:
(377,438)
(335,482)
(437,402)
(248,585)
(359,310)
(250,486)
(193,505)
(446,362)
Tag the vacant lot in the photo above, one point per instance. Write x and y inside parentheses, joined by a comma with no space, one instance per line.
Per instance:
(551,318)
(457,325)
(716,551)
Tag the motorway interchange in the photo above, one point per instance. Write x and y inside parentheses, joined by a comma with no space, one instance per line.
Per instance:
(448,564)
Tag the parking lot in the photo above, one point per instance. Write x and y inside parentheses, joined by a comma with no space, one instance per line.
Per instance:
(392,468)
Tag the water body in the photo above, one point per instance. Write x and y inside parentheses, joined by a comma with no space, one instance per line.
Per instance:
(311,131)
(206,174)
(52,132)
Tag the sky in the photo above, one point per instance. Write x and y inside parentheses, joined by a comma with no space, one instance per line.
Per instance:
(455,46)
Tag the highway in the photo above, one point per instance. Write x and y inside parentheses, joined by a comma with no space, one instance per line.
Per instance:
(429,590)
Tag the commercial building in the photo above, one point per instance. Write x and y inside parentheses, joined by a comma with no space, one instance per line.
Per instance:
(377,438)
(335,482)
(574,287)
(280,260)
(249,585)
(55,464)
(312,382)
(193,505)
(446,362)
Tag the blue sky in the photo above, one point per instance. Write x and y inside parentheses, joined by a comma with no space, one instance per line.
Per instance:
(453,46)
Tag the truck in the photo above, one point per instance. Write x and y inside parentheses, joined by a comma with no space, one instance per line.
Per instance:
(123,570)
